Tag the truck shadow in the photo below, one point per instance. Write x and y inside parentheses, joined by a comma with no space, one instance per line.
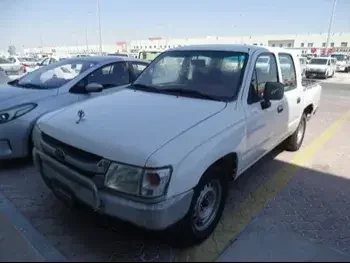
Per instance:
(83,236)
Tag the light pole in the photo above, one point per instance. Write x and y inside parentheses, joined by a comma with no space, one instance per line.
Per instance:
(99,24)
(86,40)
(330,25)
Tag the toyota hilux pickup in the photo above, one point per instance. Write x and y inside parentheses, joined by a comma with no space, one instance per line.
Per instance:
(159,153)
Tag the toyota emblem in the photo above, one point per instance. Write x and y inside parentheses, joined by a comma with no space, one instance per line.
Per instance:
(60,154)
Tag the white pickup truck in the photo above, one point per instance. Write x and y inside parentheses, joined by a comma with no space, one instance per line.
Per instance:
(160,152)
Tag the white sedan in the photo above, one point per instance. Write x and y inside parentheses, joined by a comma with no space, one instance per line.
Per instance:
(12,70)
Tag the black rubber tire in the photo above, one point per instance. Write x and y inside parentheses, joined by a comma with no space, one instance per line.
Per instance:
(182,234)
(292,144)
(346,70)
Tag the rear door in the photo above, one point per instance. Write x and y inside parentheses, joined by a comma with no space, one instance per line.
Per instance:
(293,91)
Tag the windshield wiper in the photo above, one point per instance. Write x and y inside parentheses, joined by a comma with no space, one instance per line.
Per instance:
(144,87)
(190,92)
(29,86)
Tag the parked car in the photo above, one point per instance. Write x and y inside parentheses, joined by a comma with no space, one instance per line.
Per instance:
(52,87)
(28,63)
(320,67)
(343,62)
(12,70)
(3,77)
(160,153)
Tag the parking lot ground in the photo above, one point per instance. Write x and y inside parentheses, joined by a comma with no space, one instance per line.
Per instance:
(304,194)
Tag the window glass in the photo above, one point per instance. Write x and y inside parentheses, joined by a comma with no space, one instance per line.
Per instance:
(110,75)
(4,61)
(138,67)
(288,71)
(265,70)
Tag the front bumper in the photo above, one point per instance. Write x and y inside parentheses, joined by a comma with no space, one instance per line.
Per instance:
(154,216)
(14,139)
(316,73)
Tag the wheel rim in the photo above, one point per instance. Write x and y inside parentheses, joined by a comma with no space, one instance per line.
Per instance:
(300,131)
(207,205)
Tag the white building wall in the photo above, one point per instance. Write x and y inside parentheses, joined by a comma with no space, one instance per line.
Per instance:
(306,41)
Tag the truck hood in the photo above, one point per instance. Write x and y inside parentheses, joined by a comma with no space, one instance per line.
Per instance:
(127,126)
(16,95)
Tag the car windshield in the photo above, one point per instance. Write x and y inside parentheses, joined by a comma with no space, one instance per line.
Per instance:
(54,75)
(317,61)
(4,61)
(149,55)
(339,57)
(202,74)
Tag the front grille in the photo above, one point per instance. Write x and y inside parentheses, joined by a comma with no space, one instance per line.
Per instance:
(74,152)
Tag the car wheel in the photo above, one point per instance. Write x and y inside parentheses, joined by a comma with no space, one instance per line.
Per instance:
(294,142)
(206,208)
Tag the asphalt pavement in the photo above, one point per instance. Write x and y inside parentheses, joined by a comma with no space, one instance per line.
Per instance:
(289,206)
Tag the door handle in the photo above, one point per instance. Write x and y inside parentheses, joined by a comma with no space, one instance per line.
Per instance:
(280,108)
(298,100)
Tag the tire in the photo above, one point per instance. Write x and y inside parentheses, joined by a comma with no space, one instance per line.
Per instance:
(346,70)
(188,232)
(294,142)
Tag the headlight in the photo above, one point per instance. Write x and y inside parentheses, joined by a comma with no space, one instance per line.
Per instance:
(138,181)
(15,112)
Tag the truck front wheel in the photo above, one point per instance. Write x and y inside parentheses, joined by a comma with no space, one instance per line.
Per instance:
(294,142)
(206,208)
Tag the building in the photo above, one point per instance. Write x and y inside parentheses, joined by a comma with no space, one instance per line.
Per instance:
(305,42)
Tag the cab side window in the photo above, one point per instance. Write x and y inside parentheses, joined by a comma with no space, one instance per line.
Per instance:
(289,78)
(111,75)
(265,70)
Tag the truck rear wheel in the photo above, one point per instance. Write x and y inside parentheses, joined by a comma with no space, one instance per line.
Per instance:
(207,205)
(294,142)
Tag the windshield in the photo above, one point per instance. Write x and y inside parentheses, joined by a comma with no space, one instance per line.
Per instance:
(215,74)
(149,55)
(54,75)
(4,61)
(339,57)
(317,61)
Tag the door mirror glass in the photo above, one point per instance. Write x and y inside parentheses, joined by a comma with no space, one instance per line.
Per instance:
(273,91)
(93,87)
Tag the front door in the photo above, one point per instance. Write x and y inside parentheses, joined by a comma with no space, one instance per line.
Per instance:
(263,125)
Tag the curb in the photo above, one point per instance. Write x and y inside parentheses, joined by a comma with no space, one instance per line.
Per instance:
(29,233)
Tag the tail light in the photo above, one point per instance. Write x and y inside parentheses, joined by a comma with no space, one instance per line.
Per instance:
(23,68)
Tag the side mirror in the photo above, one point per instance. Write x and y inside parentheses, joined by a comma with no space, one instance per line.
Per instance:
(273,91)
(93,87)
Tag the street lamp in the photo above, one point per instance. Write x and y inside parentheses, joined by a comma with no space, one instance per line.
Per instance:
(99,24)
(330,24)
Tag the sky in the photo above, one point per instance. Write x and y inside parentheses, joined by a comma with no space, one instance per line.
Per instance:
(24,23)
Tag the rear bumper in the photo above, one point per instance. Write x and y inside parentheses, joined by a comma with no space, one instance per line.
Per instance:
(155,216)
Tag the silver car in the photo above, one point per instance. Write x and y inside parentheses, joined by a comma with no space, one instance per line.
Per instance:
(52,87)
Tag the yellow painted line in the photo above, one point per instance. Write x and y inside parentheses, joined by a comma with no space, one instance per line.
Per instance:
(233,222)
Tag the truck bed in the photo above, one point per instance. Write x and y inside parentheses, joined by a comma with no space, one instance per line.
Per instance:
(308,83)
